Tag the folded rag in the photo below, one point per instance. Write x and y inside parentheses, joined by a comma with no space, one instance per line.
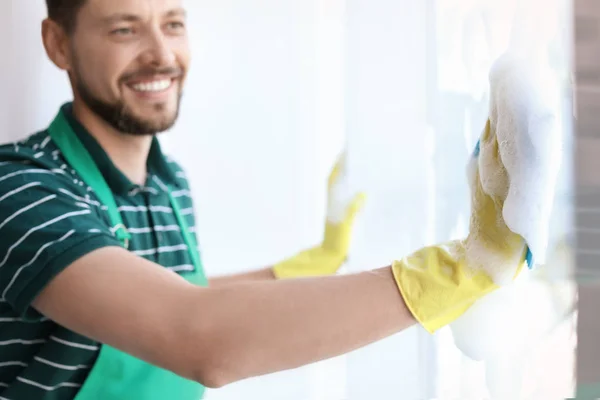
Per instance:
(511,192)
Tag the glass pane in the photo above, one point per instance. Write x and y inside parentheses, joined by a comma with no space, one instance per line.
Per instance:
(526,331)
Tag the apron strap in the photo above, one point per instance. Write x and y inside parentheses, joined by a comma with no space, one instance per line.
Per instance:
(189,239)
(80,159)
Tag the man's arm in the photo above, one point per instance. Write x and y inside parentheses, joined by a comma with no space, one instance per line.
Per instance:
(264,274)
(227,333)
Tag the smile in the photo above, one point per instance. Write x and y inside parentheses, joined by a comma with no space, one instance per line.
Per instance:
(152,86)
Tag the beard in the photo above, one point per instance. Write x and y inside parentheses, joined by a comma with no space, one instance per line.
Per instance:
(121,117)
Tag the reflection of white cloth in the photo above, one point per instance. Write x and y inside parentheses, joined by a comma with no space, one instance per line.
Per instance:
(341,194)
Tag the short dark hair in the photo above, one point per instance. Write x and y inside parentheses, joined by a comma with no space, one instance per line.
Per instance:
(64,12)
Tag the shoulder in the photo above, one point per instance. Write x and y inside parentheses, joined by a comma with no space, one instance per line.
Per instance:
(35,150)
(36,162)
(38,188)
(183,194)
(178,172)
(48,219)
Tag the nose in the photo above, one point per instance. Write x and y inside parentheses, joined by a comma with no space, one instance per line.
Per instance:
(158,51)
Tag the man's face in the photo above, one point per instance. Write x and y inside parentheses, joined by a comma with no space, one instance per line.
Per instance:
(129,59)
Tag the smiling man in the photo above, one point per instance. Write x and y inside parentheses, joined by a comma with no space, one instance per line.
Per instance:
(103,293)
(132,90)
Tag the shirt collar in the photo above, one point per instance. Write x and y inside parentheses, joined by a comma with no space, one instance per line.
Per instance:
(157,163)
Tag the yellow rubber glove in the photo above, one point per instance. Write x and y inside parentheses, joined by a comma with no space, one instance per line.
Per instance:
(328,257)
(439,283)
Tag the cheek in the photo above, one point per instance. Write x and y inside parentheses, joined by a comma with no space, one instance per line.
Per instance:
(183,53)
(100,73)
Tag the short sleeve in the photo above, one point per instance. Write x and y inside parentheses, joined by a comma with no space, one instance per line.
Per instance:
(46,223)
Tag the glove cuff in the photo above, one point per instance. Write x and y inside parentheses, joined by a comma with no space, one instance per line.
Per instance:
(309,263)
(437,286)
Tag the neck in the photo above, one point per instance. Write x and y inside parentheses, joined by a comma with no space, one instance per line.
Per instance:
(129,153)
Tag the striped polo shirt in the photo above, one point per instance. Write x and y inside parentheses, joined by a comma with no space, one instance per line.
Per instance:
(48,219)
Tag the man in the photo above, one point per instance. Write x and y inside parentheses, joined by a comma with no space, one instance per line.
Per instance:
(103,293)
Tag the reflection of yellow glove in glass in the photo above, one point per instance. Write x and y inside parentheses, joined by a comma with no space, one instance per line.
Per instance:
(328,257)
(439,283)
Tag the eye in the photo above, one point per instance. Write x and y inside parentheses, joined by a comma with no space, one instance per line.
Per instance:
(122,31)
(175,25)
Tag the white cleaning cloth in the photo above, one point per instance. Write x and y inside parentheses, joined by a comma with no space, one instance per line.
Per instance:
(524,113)
(525,117)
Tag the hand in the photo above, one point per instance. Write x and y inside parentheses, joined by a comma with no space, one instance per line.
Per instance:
(343,204)
(439,283)
(342,207)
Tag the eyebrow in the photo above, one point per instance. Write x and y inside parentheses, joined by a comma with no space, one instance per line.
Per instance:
(125,17)
(176,12)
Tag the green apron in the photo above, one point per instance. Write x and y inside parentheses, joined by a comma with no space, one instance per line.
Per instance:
(117,375)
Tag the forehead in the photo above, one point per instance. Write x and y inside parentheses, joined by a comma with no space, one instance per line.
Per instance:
(138,8)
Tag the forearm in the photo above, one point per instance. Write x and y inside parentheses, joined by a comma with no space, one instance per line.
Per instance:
(264,274)
(218,335)
(263,327)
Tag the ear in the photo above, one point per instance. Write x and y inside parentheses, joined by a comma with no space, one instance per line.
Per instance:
(55,42)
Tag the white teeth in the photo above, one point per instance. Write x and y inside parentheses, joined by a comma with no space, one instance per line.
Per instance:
(154,86)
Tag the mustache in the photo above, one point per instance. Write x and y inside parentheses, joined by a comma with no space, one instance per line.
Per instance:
(146,73)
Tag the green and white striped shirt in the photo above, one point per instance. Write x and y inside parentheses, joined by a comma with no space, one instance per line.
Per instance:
(48,219)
